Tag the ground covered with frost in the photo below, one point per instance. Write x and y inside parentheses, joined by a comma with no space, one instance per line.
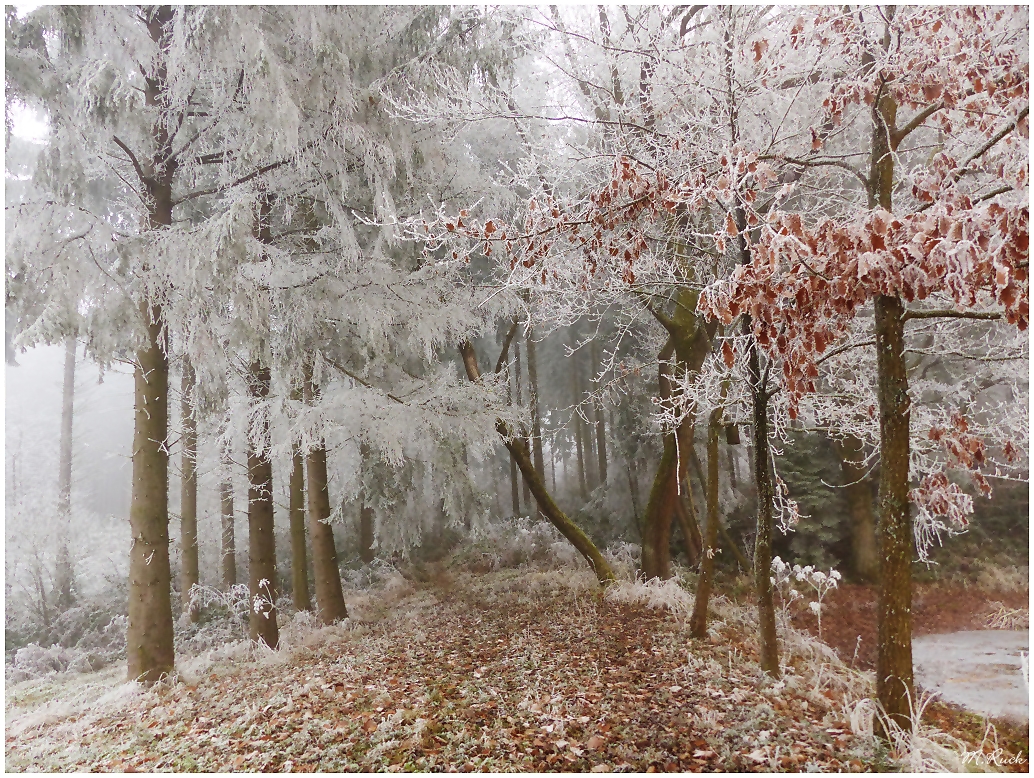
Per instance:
(516,670)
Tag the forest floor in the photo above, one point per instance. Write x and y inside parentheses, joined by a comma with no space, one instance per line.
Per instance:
(515,670)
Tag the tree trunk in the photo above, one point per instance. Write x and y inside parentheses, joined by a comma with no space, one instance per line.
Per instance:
(633,488)
(741,558)
(189,573)
(763,536)
(689,342)
(865,558)
(656,558)
(515,489)
(366,534)
(261,540)
(518,448)
(894,683)
(64,571)
(330,602)
(149,641)
(299,557)
(520,400)
(576,419)
(536,421)
(229,545)
(698,621)
(601,432)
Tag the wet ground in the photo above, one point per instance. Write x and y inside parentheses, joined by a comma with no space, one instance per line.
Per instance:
(978,669)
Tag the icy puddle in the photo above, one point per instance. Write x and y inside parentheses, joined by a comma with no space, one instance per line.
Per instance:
(980,670)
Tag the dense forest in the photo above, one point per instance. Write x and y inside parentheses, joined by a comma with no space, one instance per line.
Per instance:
(685,319)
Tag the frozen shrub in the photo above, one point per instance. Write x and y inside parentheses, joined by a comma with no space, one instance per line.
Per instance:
(655,593)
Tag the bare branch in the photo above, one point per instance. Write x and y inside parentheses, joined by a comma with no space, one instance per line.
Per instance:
(132,158)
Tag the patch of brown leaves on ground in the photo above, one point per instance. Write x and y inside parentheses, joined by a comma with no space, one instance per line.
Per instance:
(513,671)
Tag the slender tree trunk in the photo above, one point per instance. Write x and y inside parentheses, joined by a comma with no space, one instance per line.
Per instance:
(894,680)
(633,487)
(536,421)
(299,555)
(64,571)
(515,489)
(366,533)
(698,621)
(227,517)
(189,572)
(601,432)
(330,602)
(261,540)
(865,558)
(518,448)
(520,400)
(576,419)
(734,548)
(763,536)
(149,640)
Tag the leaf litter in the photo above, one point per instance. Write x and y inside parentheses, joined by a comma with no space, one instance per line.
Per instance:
(508,671)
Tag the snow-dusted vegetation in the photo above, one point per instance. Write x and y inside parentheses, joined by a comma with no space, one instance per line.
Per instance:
(444,387)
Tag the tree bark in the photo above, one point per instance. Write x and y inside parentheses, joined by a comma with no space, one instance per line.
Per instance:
(698,621)
(689,343)
(299,555)
(520,400)
(227,519)
(261,540)
(894,680)
(536,421)
(518,448)
(660,507)
(741,558)
(515,489)
(149,643)
(189,572)
(64,571)
(865,558)
(149,639)
(763,536)
(366,533)
(330,601)
(601,432)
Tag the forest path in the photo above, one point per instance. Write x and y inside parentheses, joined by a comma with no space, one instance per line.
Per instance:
(509,671)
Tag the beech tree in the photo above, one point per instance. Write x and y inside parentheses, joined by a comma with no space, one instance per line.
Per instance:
(958,241)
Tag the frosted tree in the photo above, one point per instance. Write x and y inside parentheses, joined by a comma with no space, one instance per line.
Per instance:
(953,246)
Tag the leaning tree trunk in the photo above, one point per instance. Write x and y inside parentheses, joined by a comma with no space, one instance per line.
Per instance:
(189,573)
(261,539)
(865,558)
(698,621)
(518,448)
(64,572)
(149,640)
(299,557)
(229,544)
(330,601)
